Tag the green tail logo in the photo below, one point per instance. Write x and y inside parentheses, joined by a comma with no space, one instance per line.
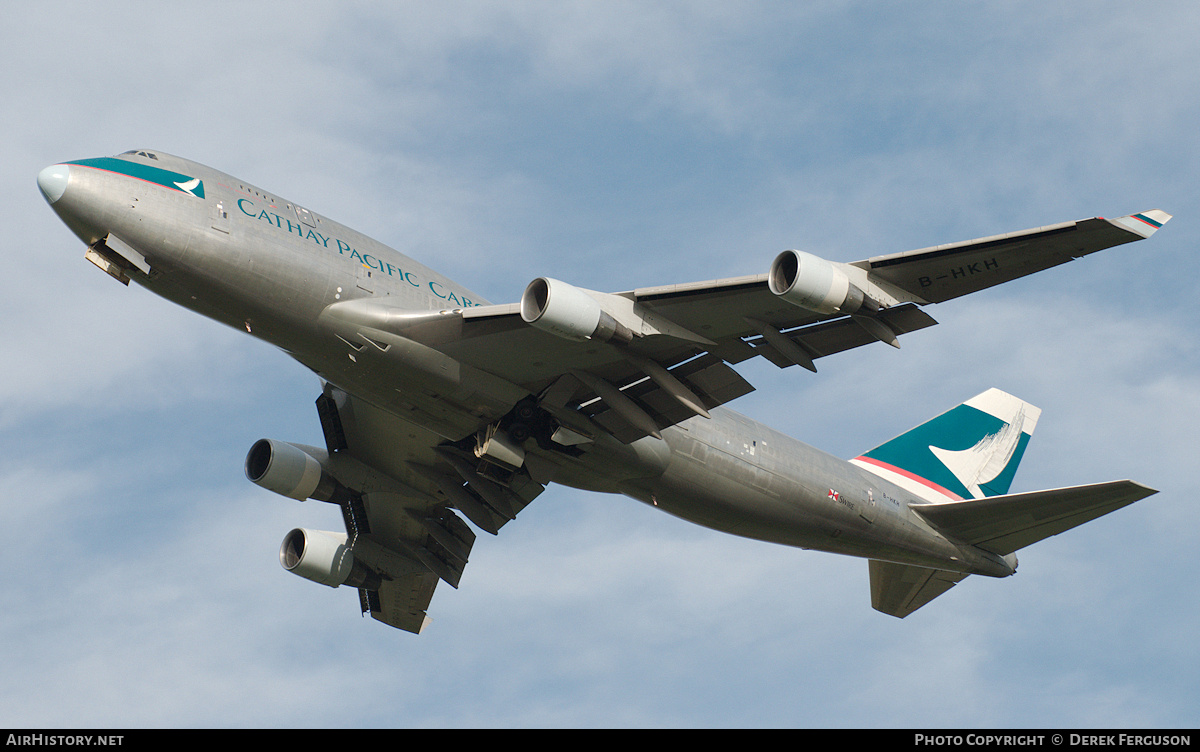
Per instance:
(971,451)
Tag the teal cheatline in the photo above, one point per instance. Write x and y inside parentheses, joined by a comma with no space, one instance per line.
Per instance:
(173,180)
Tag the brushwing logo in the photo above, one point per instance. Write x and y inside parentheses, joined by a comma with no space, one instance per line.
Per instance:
(980,464)
(190,186)
(970,451)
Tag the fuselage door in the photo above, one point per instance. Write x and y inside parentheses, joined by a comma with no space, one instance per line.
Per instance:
(219,216)
(365,282)
(868,507)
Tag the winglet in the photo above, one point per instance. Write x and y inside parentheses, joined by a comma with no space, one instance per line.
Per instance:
(1143,223)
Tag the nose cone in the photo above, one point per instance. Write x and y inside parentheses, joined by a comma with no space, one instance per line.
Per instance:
(53,181)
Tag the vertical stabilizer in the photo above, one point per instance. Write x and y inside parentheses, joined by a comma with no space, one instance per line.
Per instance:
(969,452)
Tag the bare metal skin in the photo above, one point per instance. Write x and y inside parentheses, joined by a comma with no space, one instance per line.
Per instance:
(439,403)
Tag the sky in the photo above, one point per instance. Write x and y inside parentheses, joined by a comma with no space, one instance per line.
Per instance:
(613,145)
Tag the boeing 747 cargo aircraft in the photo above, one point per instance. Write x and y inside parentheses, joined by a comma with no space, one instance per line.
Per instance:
(438,405)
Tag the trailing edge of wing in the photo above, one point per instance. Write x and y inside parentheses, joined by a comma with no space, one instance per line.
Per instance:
(1004,524)
(830,337)
(900,589)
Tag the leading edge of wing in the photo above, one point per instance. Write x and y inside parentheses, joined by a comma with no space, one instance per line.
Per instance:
(943,272)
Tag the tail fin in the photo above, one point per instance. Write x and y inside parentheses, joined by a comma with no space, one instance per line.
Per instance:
(969,452)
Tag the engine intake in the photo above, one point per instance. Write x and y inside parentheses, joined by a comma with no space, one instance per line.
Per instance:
(811,282)
(291,471)
(569,312)
(325,557)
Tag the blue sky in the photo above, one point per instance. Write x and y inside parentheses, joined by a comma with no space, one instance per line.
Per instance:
(614,145)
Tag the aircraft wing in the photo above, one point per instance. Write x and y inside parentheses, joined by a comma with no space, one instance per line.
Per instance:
(400,524)
(933,275)
(667,352)
(673,376)
(675,369)
(646,359)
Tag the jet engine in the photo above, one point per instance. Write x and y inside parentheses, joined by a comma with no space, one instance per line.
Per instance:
(292,471)
(811,282)
(323,556)
(569,312)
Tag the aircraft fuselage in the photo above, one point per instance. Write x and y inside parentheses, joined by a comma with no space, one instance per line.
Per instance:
(264,265)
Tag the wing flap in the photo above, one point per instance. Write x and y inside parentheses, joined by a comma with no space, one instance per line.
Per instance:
(1004,524)
(704,372)
(900,589)
(714,382)
(839,335)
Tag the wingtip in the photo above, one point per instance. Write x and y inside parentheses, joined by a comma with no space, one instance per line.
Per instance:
(1142,488)
(1144,223)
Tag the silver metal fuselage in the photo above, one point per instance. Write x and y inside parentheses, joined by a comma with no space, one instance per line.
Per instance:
(259,263)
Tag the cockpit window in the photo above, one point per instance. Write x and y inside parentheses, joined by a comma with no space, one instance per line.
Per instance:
(146,154)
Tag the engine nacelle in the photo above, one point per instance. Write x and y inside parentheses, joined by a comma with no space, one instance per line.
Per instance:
(811,282)
(569,312)
(291,471)
(325,557)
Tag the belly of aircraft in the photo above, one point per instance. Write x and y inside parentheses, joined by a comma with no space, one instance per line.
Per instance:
(795,496)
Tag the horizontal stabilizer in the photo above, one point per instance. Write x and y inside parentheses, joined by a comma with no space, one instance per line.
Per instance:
(900,589)
(1004,524)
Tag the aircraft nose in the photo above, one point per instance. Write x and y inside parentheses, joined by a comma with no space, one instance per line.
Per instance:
(53,181)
